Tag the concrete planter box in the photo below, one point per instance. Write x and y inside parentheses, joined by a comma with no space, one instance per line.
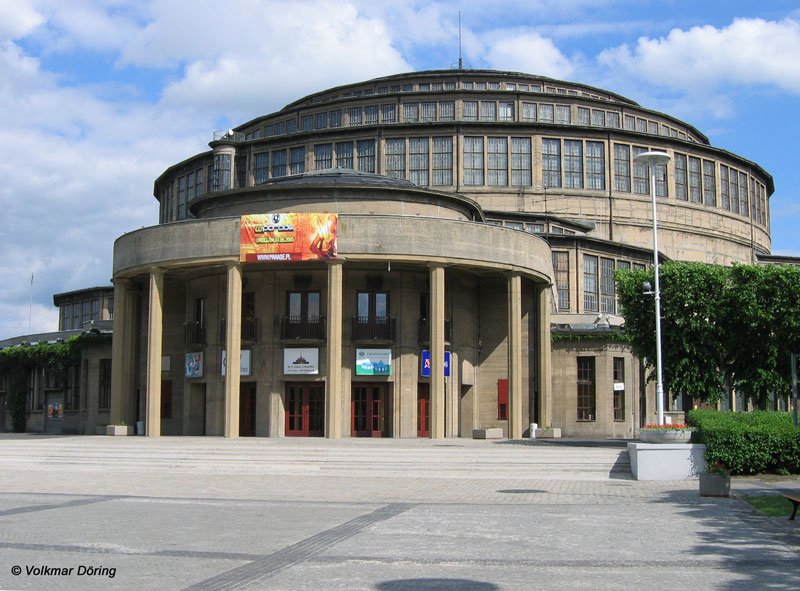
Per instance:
(491,433)
(715,485)
(552,433)
(667,461)
(118,430)
(665,436)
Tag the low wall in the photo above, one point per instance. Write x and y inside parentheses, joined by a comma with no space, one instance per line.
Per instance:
(667,461)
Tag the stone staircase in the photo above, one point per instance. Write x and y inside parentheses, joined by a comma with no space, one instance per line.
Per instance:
(422,458)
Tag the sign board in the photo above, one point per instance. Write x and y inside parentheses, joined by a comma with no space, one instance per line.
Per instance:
(373,362)
(194,365)
(619,386)
(301,361)
(244,362)
(425,364)
(287,237)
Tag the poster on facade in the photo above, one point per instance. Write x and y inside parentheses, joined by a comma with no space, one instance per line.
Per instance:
(244,362)
(373,362)
(301,361)
(425,364)
(287,237)
(194,365)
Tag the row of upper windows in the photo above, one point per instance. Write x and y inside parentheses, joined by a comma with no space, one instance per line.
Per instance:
(466,110)
(73,316)
(599,286)
(487,161)
(472,85)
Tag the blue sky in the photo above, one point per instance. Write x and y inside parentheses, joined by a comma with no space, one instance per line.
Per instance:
(98,97)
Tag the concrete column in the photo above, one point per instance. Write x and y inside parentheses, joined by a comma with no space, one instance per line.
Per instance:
(514,356)
(543,356)
(333,398)
(155,329)
(437,412)
(233,348)
(120,392)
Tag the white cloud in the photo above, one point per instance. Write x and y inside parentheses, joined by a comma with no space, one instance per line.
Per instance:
(704,59)
(17,19)
(528,52)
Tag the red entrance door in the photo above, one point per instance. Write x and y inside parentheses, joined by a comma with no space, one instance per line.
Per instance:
(247,409)
(305,410)
(423,410)
(369,417)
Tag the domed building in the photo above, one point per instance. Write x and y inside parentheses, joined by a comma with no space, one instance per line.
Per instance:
(316,265)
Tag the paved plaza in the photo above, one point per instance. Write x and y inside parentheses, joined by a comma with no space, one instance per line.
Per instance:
(386,515)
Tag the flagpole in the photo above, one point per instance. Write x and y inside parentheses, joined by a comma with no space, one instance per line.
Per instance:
(30,305)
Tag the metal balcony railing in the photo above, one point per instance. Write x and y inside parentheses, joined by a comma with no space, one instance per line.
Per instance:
(369,328)
(250,330)
(303,328)
(424,331)
(194,333)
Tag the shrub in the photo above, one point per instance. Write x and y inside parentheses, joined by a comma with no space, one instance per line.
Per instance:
(749,443)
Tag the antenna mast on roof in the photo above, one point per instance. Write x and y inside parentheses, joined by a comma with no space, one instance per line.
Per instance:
(460,60)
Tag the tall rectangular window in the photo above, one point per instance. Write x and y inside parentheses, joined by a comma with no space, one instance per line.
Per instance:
(371,115)
(222,172)
(354,114)
(241,170)
(418,152)
(335,118)
(661,180)
(709,182)
(411,112)
(396,158)
(366,155)
(298,160)
(260,167)
(428,112)
(573,164)
(447,111)
(488,111)
(561,268)
(590,286)
(181,197)
(641,180)
(388,113)
(529,112)
(622,168)
(598,118)
(323,156)
(607,287)
(612,119)
(521,161)
(595,166)
(723,187)
(586,389)
(551,162)
(546,113)
(442,161)
(630,122)
(745,202)
(563,115)
(473,160)
(584,116)
(278,163)
(104,399)
(681,178)
(619,388)
(498,161)
(321,120)
(734,186)
(506,111)
(344,155)
(470,110)
(695,181)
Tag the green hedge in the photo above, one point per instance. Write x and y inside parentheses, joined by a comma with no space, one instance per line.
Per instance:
(749,443)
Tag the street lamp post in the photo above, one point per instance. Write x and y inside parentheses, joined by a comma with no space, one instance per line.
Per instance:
(651,160)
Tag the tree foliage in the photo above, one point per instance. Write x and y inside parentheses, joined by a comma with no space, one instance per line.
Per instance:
(720,325)
(17,360)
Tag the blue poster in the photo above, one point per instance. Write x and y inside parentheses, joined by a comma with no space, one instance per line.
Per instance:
(425,364)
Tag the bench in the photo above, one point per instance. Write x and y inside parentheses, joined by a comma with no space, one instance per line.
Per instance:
(795,500)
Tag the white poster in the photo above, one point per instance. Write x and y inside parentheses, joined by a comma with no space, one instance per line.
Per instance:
(244,362)
(373,362)
(301,361)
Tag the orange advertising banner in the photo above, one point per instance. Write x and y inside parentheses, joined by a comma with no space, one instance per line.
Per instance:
(287,237)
